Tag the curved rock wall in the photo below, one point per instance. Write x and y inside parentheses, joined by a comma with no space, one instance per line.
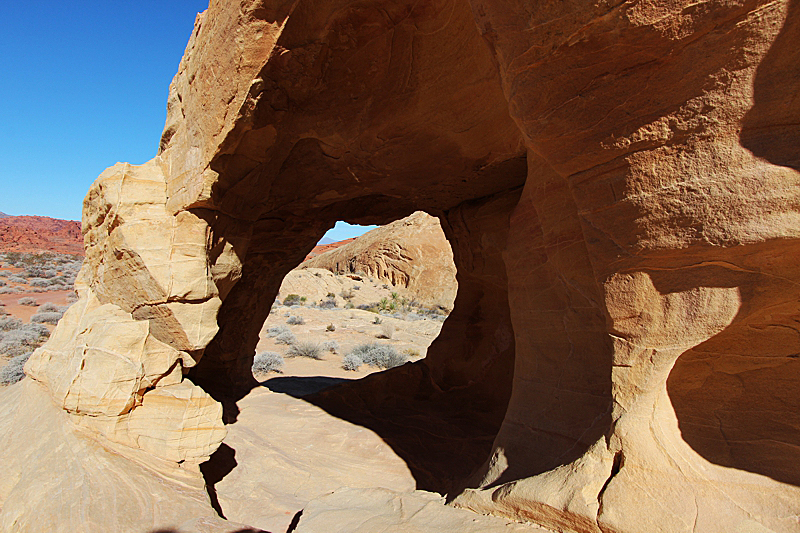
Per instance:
(619,184)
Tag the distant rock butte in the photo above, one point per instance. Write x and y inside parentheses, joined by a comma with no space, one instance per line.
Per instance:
(620,186)
(40,234)
(412,254)
(323,247)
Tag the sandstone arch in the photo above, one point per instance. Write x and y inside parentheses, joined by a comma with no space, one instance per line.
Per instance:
(612,220)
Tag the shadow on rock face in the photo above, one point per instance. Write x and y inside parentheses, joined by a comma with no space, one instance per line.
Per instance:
(771,128)
(221,463)
(442,438)
(734,394)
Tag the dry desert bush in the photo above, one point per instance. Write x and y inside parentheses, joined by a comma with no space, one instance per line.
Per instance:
(265,362)
(308,349)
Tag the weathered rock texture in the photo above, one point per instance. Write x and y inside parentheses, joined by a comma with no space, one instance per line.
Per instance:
(619,184)
(411,254)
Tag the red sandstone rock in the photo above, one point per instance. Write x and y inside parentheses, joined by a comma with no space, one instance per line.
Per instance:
(40,234)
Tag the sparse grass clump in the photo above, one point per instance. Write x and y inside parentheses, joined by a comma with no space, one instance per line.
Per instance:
(287,337)
(12,372)
(295,320)
(267,362)
(330,327)
(378,355)
(305,349)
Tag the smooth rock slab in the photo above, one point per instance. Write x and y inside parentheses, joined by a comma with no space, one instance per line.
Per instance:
(370,511)
(288,452)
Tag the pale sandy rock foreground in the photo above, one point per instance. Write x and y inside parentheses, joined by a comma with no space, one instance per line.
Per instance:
(369,510)
(619,185)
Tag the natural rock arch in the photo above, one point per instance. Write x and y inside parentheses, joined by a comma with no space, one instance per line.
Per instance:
(605,219)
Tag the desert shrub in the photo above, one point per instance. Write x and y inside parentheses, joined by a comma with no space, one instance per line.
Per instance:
(72,298)
(3,310)
(305,349)
(19,341)
(295,320)
(287,337)
(330,327)
(5,273)
(331,346)
(27,300)
(48,317)
(12,372)
(6,290)
(39,282)
(330,295)
(267,362)
(17,279)
(349,305)
(10,323)
(387,331)
(48,307)
(377,320)
(274,331)
(351,362)
(330,303)
(291,299)
(40,273)
(379,355)
(2,283)
(37,329)
(347,294)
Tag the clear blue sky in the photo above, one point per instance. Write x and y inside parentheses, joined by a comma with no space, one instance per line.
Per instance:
(84,85)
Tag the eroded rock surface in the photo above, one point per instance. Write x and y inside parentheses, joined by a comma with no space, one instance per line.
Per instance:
(619,185)
(412,254)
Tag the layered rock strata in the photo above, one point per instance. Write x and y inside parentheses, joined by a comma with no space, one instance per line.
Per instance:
(619,184)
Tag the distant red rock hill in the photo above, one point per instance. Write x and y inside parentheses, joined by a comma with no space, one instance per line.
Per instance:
(322,248)
(40,234)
